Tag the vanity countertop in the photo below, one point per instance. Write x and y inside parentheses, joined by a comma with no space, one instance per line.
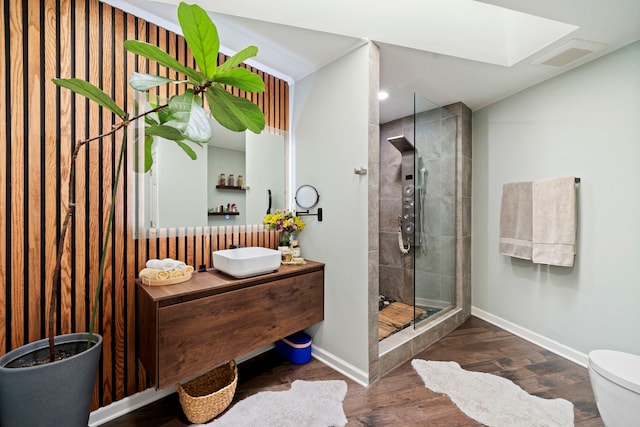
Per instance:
(213,282)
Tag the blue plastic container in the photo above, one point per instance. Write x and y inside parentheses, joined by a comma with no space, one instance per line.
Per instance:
(295,348)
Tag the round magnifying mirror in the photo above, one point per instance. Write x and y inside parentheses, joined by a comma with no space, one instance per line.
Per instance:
(307,196)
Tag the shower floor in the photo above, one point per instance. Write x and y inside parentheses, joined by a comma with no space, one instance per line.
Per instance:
(427,312)
(395,316)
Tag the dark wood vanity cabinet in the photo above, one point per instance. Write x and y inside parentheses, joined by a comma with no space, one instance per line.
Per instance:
(191,327)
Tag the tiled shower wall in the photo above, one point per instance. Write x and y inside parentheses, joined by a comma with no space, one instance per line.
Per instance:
(396,269)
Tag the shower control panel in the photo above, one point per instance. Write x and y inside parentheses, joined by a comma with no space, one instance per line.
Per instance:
(408,218)
(409,215)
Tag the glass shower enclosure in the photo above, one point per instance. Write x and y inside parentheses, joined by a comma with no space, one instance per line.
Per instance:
(434,198)
(417,226)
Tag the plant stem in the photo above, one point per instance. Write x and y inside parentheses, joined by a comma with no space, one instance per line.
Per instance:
(103,255)
(70,211)
(71,206)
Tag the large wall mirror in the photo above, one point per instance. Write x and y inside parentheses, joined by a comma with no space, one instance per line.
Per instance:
(179,192)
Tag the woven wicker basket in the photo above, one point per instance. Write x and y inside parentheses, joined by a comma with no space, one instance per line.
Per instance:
(208,395)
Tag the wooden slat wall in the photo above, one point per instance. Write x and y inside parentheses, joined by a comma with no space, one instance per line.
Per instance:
(39,123)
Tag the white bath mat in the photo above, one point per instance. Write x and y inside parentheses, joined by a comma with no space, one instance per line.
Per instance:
(493,400)
(305,404)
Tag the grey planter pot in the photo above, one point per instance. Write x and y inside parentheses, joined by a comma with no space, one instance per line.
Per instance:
(53,394)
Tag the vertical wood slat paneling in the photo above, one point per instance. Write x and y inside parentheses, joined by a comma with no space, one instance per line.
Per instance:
(66,145)
(34,166)
(118,244)
(106,184)
(81,231)
(92,196)
(39,125)
(16,293)
(49,172)
(4,107)
(134,247)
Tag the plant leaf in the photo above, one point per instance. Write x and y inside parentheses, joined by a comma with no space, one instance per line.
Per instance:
(238,58)
(154,53)
(148,157)
(242,79)
(84,88)
(163,131)
(164,115)
(201,36)
(187,114)
(187,150)
(233,112)
(144,82)
(150,119)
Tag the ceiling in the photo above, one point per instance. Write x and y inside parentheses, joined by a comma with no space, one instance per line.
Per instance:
(445,50)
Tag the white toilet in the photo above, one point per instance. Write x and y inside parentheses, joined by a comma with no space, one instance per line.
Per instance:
(615,379)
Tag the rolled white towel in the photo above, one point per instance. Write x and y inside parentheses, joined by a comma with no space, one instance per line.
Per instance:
(160,264)
(153,274)
(166,264)
(177,265)
(186,271)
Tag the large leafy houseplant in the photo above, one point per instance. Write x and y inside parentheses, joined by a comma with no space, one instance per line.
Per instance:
(182,119)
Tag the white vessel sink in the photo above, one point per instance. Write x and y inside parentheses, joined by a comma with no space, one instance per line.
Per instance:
(246,262)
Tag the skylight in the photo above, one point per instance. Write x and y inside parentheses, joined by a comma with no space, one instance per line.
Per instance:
(466,29)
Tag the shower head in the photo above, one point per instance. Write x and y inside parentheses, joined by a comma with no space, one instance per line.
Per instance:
(401,143)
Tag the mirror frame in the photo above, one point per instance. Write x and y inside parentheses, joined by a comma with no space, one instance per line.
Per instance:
(306,193)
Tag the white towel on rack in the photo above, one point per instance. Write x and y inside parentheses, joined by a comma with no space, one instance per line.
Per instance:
(554,221)
(515,220)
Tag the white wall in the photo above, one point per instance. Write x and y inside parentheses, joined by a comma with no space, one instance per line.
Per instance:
(330,132)
(586,123)
(181,185)
(265,160)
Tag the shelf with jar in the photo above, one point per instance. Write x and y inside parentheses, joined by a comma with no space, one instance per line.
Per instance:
(230,209)
(230,187)
(223,213)
(230,183)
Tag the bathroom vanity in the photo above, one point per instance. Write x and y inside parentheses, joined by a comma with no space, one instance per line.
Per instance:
(188,328)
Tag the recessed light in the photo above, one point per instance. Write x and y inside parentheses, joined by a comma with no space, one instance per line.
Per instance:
(382,95)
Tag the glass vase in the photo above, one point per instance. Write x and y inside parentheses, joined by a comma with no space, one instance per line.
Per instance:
(285,238)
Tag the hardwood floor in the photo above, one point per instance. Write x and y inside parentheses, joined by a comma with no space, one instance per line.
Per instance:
(400,398)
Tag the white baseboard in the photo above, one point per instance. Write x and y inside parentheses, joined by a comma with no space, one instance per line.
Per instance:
(126,405)
(337,364)
(148,396)
(533,337)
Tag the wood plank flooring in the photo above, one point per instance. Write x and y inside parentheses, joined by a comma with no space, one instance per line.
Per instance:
(400,398)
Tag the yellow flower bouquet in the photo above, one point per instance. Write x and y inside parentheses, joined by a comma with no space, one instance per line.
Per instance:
(285,223)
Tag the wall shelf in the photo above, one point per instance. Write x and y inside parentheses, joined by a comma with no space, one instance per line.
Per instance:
(223,213)
(230,187)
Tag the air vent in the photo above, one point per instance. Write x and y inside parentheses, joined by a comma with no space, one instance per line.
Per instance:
(568,53)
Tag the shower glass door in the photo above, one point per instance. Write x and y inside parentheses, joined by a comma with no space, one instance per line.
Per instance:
(435,134)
